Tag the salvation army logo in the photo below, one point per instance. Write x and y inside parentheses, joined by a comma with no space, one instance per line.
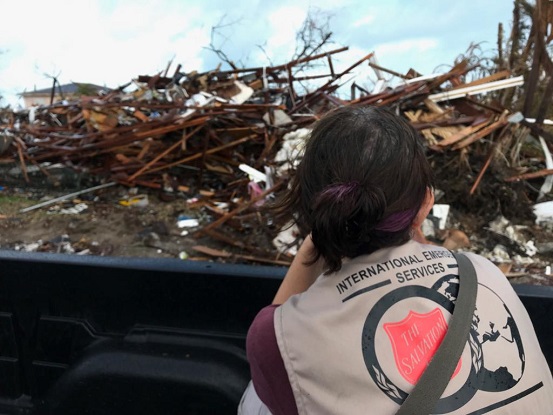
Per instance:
(383,380)
(414,341)
(414,337)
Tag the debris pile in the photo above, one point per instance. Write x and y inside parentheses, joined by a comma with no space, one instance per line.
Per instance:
(227,141)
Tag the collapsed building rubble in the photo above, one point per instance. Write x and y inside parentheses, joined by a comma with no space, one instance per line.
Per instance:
(227,141)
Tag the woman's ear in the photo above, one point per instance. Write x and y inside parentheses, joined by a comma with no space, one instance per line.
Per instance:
(425,209)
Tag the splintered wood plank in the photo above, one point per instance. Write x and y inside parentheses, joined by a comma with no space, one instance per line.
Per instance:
(482,133)
(494,77)
(433,107)
(442,133)
(413,116)
(532,175)
(432,140)
(465,132)
(140,115)
(145,149)
(123,159)
(219,169)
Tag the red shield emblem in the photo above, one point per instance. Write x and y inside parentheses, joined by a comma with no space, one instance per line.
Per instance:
(414,340)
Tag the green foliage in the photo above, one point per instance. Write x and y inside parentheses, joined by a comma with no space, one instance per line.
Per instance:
(86,90)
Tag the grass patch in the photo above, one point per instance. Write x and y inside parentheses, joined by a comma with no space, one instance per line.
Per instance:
(11,204)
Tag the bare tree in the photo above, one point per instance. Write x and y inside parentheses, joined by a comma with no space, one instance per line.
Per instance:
(313,35)
(218,40)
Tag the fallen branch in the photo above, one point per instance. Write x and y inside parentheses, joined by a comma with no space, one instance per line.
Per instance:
(528,176)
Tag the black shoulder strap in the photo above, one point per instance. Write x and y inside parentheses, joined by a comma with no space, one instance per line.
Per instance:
(434,380)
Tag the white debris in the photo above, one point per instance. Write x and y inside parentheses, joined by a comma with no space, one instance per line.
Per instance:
(245,93)
(548,183)
(254,174)
(284,240)
(32,114)
(269,174)
(503,227)
(500,254)
(428,229)
(32,247)
(279,118)
(544,213)
(515,118)
(441,212)
(188,223)
(293,145)
(499,224)
(523,260)
(530,248)
(75,210)
(201,99)
(66,248)
(221,205)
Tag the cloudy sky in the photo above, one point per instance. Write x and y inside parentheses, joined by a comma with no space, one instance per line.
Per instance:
(110,42)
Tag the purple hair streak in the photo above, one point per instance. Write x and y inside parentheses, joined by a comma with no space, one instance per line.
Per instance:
(342,192)
(397,221)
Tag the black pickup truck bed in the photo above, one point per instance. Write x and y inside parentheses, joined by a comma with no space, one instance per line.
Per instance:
(103,335)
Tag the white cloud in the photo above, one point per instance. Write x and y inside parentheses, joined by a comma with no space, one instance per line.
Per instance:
(365,20)
(112,41)
(284,23)
(80,43)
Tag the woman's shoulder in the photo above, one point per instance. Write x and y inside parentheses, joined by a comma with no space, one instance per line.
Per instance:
(263,326)
(482,262)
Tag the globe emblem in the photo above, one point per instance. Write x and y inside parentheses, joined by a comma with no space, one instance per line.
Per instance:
(503,358)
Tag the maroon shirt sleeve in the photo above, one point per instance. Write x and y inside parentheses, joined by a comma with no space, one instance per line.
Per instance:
(269,375)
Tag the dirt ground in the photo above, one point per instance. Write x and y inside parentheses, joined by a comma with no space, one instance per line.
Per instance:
(105,227)
(151,229)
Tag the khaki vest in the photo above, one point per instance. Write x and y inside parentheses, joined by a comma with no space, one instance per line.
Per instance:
(357,341)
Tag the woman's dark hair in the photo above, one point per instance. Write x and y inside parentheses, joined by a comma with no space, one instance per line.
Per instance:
(360,184)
